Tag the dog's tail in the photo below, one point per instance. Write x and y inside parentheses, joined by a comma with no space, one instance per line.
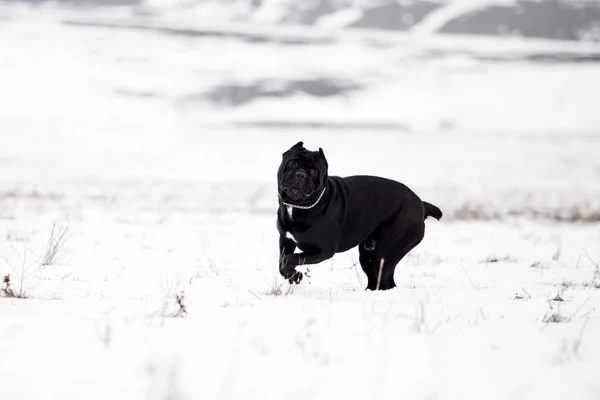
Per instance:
(431,211)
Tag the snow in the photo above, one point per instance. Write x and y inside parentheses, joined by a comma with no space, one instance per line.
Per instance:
(340,18)
(453,9)
(105,132)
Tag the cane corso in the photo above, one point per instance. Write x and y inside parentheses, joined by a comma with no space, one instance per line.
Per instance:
(323,215)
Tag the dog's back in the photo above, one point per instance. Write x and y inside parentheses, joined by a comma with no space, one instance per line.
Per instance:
(369,201)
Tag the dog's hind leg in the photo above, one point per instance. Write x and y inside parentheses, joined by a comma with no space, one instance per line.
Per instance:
(395,241)
(367,257)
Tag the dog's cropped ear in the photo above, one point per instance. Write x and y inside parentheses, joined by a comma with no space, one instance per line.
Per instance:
(323,155)
(299,145)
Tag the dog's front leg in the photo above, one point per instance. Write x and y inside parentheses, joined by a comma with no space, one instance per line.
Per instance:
(286,249)
(291,261)
(313,258)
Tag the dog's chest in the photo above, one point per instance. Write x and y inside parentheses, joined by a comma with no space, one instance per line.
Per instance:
(289,235)
(298,237)
(304,235)
(305,239)
(300,240)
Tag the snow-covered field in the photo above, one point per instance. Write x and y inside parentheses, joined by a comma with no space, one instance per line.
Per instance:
(156,148)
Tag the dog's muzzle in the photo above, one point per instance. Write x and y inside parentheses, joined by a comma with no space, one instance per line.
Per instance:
(297,185)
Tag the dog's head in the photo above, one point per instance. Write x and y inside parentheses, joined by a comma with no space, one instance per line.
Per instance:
(302,175)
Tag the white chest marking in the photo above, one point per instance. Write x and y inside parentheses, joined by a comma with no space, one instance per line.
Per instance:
(290,211)
(290,236)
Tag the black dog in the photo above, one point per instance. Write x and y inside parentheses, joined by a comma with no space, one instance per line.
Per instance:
(323,215)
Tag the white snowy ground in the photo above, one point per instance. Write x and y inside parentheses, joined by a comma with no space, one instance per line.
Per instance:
(162,196)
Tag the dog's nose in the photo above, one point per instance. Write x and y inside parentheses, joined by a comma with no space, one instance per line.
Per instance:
(300,174)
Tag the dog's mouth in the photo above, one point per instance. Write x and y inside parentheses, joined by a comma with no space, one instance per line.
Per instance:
(296,193)
(293,193)
(296,188)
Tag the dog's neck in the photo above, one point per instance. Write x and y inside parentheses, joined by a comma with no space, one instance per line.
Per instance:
(290,207)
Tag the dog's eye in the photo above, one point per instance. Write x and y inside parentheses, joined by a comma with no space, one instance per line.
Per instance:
(293,164)
(313,172)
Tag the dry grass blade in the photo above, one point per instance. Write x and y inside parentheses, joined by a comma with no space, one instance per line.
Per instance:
(7,291)
(379,274)
(254,294)
(276,288)
(554,318)
(526,295)
(558,297)
(577,344)
(577,310)
(57,240)
(22,268)
(596,279)
(355,268)
(469,276)
(181,310)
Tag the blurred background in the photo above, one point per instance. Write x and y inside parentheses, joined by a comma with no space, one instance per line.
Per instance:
(487,108)
(139,147)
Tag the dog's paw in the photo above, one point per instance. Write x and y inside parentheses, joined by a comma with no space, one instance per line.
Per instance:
(296,277)
(291,275)
(288,266)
